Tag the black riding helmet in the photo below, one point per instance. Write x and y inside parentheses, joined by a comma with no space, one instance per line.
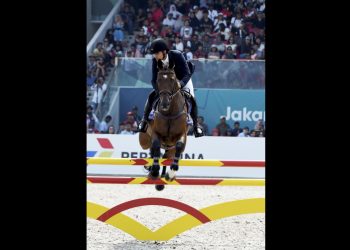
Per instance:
(158,45)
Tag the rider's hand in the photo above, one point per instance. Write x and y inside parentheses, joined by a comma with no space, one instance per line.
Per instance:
(179,84)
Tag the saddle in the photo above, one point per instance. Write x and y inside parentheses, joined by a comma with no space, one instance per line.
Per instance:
(187,96)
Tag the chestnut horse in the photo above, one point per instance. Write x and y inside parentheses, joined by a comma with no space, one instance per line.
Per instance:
(169,128)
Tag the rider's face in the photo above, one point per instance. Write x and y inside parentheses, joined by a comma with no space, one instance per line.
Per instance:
(159,55)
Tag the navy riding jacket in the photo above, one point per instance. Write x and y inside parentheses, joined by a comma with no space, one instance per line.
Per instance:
(181,69)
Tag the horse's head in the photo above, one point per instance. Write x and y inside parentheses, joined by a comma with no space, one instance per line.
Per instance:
(168,86)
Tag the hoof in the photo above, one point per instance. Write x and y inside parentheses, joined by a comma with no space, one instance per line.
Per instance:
(154,173)
(168,178)
(159,187)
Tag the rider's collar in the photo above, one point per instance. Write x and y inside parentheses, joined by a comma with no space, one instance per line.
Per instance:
(166,61)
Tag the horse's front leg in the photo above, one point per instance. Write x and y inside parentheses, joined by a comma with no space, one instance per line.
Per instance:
(180,146)
(155,153)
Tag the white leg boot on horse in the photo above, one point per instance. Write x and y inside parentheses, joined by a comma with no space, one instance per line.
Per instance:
(180,146)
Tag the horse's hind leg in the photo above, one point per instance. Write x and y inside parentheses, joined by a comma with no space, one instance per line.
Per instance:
(180,146)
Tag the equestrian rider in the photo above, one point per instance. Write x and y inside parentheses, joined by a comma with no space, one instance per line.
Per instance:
(160,51)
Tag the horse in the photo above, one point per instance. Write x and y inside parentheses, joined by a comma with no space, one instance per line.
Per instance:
(169,128)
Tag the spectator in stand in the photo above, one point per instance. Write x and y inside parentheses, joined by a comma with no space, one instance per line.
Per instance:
(188,54)
(212,13)
(99,90)
(236,21)
(111,130)
(259,21)
(98,51)
(127,130)
(240,34)
(245,48)
(206,44)
(223,127)
(203,125)
(176,14)
(91,78)
(198,12)
(91,119)
(178,44)
(236,129)
(157,14)
(223,32)
(131,121)
(259,128)
(118,27)
(109,36)
(194,43)
(214,53)
(260,51)
(92,65)
(219,20)
(144,28)
(200,53)
(152,28)
(140,18)
(135,110)
(194,22)
(128,16)
(229,53)
(220,45)
(253,133)
(206,23)
(100,70)
(245,132)
(215,132)
(103,127)
(169,21)
(186,31)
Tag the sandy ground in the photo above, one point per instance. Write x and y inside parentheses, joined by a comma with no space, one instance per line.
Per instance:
(237,232)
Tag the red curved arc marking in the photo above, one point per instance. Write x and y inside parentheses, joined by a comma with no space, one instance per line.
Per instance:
(154,201)
(243,164)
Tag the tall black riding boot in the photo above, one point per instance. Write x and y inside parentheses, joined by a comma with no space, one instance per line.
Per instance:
(197,131)
(142,127)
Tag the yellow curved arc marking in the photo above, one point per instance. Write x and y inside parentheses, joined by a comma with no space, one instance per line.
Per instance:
(130,226)
(181,224)
(94,210)
(232,208)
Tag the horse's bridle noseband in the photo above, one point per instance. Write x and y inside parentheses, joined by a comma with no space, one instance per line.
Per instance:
(167,92)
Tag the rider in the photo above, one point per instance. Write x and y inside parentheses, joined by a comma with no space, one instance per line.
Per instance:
(161,52)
